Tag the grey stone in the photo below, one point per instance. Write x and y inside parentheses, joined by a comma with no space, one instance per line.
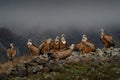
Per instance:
(21,70)
(40,60)
(21,67)
(37,68)
(3,76)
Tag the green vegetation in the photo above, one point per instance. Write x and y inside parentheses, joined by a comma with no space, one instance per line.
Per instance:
(96,70)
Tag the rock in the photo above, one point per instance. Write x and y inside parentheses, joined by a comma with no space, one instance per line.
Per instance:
(14,72)
(40,60)
(51,67)
(74,53)
(116,51)
(83,56)
(3,76)
(21,78)
(21,70)
(99,53)
(51,61)
(48,76)
(95,63)
(45,56)
(46,69)
(74,57)
(30,70)
(108,53)
(37,68)
(34,69)
(62,62)
(71,59)
(92,55)
(32,63)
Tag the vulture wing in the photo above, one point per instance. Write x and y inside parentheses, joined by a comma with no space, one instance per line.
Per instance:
(108,38)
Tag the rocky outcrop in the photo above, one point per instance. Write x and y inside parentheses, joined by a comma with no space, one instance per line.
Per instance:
(44,64)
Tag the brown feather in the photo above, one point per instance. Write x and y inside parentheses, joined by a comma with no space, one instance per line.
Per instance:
(56,45)
(34,51)
(63,46)
(11,53)
(86,47)
(62,54)
(45,47)
(107,41)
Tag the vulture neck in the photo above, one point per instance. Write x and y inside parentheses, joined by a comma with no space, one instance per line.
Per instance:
(56,42)
(64,42)
(102,34)
(12,47)
(84,39)
(48,41)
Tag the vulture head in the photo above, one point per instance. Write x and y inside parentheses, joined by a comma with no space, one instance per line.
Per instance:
(63,39)
(102,32)
(62,35)
(57,40)
(49,40)
(84,38)
(29,43)
(11,45)
(72,46)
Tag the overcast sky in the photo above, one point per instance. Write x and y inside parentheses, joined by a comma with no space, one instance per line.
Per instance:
(42,14)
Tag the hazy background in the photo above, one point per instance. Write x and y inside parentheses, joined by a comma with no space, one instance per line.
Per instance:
(53,14)
(40,19)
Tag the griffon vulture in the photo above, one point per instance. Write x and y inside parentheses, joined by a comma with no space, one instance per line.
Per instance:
(56,44)
(11,52)
(45,46)
(34,50)
(63,42)
(62,54)
(85,46)
(106,39)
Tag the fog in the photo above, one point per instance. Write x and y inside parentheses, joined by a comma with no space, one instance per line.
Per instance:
(38,20)
(22,16)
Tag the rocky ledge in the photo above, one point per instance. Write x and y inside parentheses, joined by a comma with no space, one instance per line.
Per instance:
(104,64)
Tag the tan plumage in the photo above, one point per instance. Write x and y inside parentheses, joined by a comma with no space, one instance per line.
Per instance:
(80,46)
(34,50)
(63,42)
(89,47)
(11,52)
(85,46)
(45,46)
(106,39)
(63,54)
(56,44)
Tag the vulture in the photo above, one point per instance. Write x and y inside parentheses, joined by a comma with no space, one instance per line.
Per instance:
(80,47)
(63,42)
(58,54)
(56,44)
(45,46)
(11,52)
(85,46)
(33,49)
(106,39)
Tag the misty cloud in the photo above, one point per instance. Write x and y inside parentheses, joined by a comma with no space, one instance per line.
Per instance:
(42,15)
